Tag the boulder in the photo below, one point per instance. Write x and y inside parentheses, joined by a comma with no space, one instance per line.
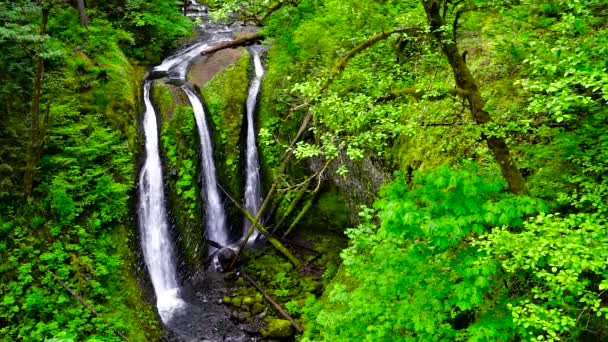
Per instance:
(278,328)
(225,256)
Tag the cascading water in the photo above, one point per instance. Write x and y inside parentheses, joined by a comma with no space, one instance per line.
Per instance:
(155,241)
(253,197)
(212,321)
(216,218)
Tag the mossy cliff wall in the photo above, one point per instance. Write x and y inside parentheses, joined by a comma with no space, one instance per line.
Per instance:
(225,96)
(223,80)
(180,151)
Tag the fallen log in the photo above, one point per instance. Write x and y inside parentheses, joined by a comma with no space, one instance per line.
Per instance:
(245,40)
(274,303)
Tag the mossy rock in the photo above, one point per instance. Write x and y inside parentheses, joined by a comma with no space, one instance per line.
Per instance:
(237,301)
(248,301)
(225,96)
(278,328)
(256,308)
(179,147)
(168,98)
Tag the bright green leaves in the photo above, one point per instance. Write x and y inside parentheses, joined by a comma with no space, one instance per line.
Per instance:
(567,80)
(563,259)
(158,24)
(426,282)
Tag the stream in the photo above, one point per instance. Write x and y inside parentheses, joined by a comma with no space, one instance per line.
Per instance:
(193,310)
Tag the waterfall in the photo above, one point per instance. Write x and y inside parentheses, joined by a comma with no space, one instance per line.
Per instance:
(154,229)
(216,219)
(253,196)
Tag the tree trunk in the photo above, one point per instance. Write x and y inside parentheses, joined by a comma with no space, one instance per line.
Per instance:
(28,178)
(82,12)
(246,39)
(466,82)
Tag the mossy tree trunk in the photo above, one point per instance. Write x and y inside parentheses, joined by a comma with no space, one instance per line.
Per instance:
(34,150)
(465,81)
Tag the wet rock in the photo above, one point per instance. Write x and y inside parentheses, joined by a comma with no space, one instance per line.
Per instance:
(279,328)
(242,316)
(250,329)
(256,308)
(225,257)
(248,301)
(156,74)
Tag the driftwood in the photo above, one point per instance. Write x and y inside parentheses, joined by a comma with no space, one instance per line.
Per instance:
(274,303)
(248,39)
(285,160)
(88,306)
(214,244)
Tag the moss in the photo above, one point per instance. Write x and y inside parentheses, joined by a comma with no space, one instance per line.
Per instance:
(163,98)
(168,98)
(279,328)
(128,306)
(179,139)
(225,96)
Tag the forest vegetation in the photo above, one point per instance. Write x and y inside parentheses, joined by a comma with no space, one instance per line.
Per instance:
(449,159)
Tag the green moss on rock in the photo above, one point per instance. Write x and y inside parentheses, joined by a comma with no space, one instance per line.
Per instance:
(179,140)
(278,328)
(168,98)
(225,96)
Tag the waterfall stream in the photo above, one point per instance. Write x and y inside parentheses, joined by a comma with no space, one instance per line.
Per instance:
(216,218)
(253,196)
(176,306)
(154,230)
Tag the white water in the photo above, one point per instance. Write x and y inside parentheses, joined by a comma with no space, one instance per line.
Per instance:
(178,64)
(253,196)
(214,209)
(156,245)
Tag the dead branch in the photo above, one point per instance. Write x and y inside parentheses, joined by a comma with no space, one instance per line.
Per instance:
(256,225)
(274,303)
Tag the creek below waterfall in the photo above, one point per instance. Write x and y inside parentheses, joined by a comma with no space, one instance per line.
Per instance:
(193,309)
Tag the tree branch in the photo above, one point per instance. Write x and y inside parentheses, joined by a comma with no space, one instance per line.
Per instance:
(419,94)
(341,63)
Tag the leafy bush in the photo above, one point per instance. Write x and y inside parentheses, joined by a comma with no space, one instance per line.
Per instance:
(425,279)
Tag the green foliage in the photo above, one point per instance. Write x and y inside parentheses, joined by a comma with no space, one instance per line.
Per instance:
(157,25)
(426,280)
(225,96)
(558,266)
(77,222)
(180,146)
